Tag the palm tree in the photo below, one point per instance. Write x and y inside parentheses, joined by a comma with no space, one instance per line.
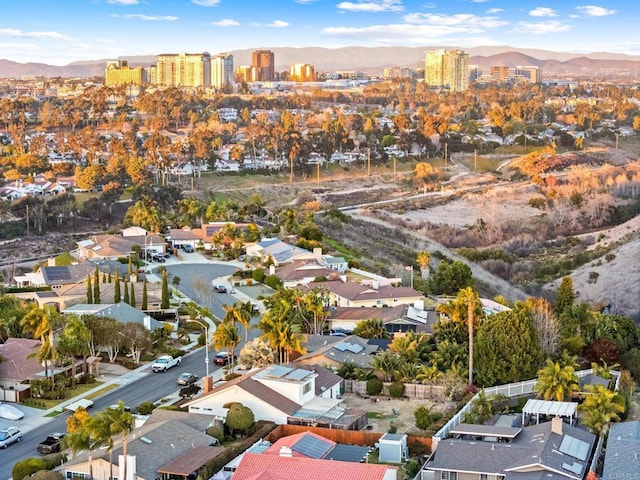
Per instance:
(226,337)
(372,328)
(423,258)
(470,297)
(240,312)
(87,437)
(600,407)
(121,422)
(556,382)
(40,323)
(387,363)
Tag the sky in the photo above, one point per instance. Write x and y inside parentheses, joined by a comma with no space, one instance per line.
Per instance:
(59,32)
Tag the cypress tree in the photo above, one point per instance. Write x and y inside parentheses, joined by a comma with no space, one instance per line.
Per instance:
(104,277)
(144,295)
(116,289)
(132,296)
(164,303)
(89,290)
(126,292)
(96,286)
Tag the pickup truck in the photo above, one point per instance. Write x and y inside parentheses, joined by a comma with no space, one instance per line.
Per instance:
(165,362)
(51,444)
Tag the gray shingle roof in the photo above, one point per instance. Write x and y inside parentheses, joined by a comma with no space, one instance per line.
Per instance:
(622,459)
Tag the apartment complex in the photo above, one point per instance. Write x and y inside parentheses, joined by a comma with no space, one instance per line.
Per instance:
(447,69)
(183,70)
(222,72)
(118,72)
(506,74)
(302,72)
(262,66)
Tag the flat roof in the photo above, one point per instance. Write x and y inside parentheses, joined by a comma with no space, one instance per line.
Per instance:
(485,430)
(549,407)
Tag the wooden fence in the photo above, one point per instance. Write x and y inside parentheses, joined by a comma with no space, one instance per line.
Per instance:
(414,391)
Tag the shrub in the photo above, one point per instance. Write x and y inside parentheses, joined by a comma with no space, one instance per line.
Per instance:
(374,386)
(396,389)
(216,432)
(145,408)
(393,428)
(26,467)
(54,460)
(272,281)
(258,275)
(239,418)
(423,417)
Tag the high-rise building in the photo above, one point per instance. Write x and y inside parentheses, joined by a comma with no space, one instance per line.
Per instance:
(183,70)
(242,73)
(302,72)
(447,69)
(118,72)
(499,72)
(531,72)
(263,66)
(222,72)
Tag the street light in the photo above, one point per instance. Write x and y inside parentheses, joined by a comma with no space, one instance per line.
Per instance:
(206,343)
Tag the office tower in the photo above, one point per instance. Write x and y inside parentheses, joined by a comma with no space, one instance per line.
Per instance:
(222,72)
(531,72)
(302,72)
(447,69)
(499,73)
(118,72)
(242,74)
(183,70)
(262,65)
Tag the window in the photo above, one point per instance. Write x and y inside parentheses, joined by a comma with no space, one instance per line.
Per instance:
(444,475)
(306,388)
(77,475)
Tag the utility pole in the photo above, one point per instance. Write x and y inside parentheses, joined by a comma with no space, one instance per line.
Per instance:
(368,162)
(290,169)
(445,153)
(475,160)
(27,220)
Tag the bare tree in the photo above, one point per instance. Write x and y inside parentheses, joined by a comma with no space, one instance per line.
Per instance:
(546,323)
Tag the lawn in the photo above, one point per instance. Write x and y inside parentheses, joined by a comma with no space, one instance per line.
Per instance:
(45,404)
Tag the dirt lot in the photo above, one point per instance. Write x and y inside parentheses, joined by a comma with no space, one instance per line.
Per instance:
(387,411)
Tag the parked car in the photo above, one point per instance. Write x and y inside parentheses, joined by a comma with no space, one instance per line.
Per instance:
(9,436)
(221,358)
(220,288)
(158,258)
(9,412)
(187,248)
(187,379)
(165,362)
(51,444)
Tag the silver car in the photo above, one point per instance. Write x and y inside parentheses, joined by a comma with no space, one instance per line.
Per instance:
(9,436)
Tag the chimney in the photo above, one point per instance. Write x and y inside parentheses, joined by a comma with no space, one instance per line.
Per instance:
(317,253)
(272,269)
(207,384)
(556,425)
(285,451)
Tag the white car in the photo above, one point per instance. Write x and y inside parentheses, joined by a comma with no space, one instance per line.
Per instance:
(9,436)
(83,402)
(10,412)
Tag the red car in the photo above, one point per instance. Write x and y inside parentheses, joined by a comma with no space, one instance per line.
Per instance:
(221,358)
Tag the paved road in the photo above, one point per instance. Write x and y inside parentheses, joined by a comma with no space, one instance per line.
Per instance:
(150,388)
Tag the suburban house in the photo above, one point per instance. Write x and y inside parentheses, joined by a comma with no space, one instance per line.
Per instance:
(121,311)
(311,445)
(254,466)
(622,458)
(203,236)
(54,276)
(353,349)
(18,366)
(74,294)
(100,247)
(283,395)
(551,450)
(280,252)
(397,319)
(351,294)
(158,450)
(303,272)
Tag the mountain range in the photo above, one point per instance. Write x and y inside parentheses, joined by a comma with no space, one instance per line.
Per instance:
(373,60)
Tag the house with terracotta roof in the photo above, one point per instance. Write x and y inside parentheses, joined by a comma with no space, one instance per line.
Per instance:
(303,272)
(283,395)
(283,467)
(18,362)
(398,319)
(351,294)
(117,246)
(203,236)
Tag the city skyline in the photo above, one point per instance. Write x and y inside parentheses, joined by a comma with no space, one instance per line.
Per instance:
(59,33)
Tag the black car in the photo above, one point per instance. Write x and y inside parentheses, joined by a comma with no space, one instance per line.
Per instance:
(221,358)
(220,288)
(187,379)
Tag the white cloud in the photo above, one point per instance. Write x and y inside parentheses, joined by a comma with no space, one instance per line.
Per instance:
(595,11)
(225,22)
(277,24)
(20,46)
(147,18)
(372,6)
(304,2)
(543,12)
(124,2)
(493,11)
(206,3)
(541,28)
(12,32)
(464,21)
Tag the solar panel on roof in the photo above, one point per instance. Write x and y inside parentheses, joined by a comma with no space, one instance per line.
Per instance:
(348,453)
(574,448)
(278,371)
(312,447)
(342,346)
(575,467)
(354,347)
(298,374)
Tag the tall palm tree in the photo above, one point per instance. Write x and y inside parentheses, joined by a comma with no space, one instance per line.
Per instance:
(600,407)
(88,437)
(121,422)
(40,323)
(373,328)
(226,337)
(423,259)
(387,363)
(240,312)
(556,382)
(470,297)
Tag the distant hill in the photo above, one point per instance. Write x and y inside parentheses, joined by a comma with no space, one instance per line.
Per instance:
(371,60)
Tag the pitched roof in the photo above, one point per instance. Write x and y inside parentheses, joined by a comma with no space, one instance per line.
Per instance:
(304,269)
(17,364)
(191,460)
(270,467)
(298,444)
(622,459)
(356,292)
(325,378)
(357,314)
(69,274)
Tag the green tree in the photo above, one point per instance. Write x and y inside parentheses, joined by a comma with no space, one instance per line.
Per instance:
(387,363)
(27,467)
(600,407)
(120,422)
(164,302)
(373,328)
(565,296)
(117,296)
(557,382)
(145,300)
(226,337)
(507,348)
(125,288)
(132,296)
(89,290)
(239,417)
(448,278)
(96,286)
(85,434)
(75,341)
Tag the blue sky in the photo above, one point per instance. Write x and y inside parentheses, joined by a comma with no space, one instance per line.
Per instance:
(58,32)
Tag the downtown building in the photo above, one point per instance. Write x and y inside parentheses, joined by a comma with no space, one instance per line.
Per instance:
(262,66)
(118,72)
(222,72)
(447,69)
(302,72)
(183,70)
